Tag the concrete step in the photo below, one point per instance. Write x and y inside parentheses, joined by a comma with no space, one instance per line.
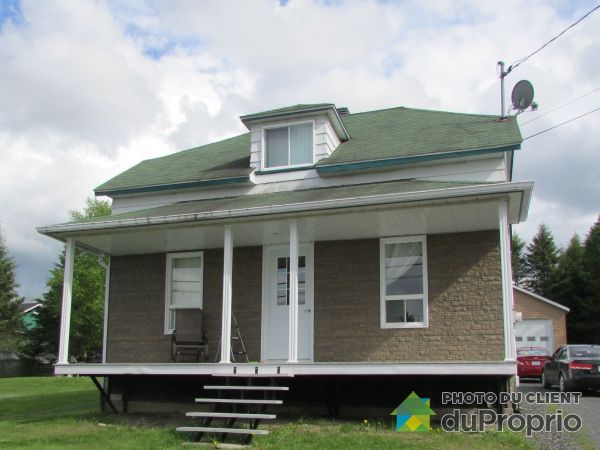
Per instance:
(249,388)
(220,430)
(240,400)
(217,415)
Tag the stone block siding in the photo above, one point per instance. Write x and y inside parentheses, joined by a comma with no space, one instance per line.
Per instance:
(136,310)
(465,303)
(532,308)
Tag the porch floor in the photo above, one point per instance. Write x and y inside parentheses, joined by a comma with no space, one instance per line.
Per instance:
(285,369)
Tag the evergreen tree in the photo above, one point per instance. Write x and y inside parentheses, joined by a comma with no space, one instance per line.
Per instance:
(592,281)
(568,287)
(87,305)
(517,259)
(541,258)
(10,315)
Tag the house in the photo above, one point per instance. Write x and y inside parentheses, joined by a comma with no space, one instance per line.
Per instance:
(29,313)
(349,247)
(542,322)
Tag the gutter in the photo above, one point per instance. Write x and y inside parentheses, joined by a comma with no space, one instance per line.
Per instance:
(378,163)
(524,188)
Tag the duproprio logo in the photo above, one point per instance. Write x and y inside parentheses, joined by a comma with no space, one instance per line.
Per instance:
(413,414)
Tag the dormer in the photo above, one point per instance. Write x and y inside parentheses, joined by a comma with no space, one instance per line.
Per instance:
(294,138)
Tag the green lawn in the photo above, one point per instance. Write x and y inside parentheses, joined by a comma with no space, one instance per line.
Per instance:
(63,413)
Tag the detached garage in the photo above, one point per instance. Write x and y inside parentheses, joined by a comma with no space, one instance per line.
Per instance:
(542,321)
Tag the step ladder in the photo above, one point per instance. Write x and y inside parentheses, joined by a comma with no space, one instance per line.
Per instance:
(239,406)
(236,341)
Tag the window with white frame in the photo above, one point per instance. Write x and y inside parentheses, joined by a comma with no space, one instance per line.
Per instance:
(183,285)
(403,282)
(289,146)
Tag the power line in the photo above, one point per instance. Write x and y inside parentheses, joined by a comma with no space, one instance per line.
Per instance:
(561,124)
(522,60)
(561,106)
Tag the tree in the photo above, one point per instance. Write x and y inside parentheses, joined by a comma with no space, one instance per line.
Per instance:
(87,299)
(10,315)
(568,287)
(517,259)
(541,258)
(591,264)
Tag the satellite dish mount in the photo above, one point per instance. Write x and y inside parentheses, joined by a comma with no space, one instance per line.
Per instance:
(522,93)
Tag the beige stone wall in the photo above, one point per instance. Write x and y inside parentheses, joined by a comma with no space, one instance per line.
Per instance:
(136,311)
(465,303)
(532,308)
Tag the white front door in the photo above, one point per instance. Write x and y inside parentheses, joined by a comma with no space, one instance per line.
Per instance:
(276,299)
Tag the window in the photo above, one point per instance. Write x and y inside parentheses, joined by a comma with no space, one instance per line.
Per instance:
(403,282)
(283,281)
(183,285)
(289,146)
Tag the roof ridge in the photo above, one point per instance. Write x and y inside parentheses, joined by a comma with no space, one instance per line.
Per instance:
(407,108)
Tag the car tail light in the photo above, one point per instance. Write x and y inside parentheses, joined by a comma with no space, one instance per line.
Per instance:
(581,366)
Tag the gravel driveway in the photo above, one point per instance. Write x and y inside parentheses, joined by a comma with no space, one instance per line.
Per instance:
(588,409)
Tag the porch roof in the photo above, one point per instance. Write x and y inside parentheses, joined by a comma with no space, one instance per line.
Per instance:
(303,201)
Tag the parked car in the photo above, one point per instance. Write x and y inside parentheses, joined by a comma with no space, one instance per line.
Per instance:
(530,361)
(573,367)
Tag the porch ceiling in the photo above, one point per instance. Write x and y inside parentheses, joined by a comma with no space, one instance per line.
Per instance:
(433,217)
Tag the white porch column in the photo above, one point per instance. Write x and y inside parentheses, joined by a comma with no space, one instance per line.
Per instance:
(507,290)
(293,337)
(65,315)
(226,318)
(106,296)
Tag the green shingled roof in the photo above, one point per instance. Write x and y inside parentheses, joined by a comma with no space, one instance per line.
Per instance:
(287,198)
(224,160)
(403,132)
(375,136)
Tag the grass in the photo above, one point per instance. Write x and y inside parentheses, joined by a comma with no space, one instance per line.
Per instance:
(62,413)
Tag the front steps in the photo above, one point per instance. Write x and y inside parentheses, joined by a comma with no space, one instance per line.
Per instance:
(240,403)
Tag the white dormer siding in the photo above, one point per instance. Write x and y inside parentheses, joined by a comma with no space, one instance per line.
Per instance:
(325,141)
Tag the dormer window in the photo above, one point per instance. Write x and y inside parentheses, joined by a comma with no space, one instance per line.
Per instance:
(289,146)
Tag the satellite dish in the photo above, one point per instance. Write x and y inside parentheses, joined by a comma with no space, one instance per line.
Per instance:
(522,95)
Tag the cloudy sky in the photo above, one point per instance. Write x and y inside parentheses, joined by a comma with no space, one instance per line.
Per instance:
(89,88)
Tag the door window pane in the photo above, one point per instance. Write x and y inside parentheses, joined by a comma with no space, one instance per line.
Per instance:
(283,281)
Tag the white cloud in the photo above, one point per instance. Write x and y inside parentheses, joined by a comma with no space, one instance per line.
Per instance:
(91,88)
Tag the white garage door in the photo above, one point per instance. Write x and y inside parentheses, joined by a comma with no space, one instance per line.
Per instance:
(535,333)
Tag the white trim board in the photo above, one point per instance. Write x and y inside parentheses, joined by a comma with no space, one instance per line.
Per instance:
(412,368)
(543,299)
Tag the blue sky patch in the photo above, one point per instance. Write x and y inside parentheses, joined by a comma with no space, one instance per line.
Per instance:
(10,10)
(156,45)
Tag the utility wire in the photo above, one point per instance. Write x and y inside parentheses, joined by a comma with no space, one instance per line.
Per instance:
(560,106)
(561,124)
(522,60)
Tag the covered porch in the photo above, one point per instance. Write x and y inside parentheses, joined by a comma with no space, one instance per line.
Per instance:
(243,243)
